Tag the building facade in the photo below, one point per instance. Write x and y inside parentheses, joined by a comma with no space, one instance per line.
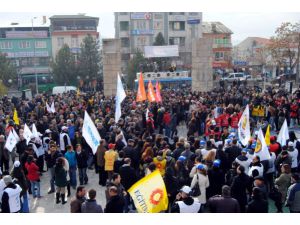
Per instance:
(139,29)
(71,30)
(30,50)
(253,57)
(222,45)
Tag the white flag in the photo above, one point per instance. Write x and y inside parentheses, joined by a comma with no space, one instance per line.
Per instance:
(90,132)
(124,139)
(36,134)
(48,108)
(147,114)
(244,127)
(11,141)
(261,148)
(27,134)
(16,135)
(38,151)
(283,135)
(120,96)
(52,107)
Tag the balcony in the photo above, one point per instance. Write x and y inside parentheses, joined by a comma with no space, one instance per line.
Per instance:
(72,28)
(228,45)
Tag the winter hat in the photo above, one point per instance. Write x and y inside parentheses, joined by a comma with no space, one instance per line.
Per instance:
(182,158)
(200,167)
(186,189)
(217,163)
(202,142)
(291,144)
(17,164)
(7,179)
(111,146)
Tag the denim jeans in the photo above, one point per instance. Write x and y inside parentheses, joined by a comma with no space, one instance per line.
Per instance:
(52,178)
(293,122)
(25,203)
(167,131)
(272,123)
(72,174)
(82,175)
(35,185)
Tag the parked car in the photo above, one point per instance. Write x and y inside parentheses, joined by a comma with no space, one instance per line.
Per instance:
(235,76)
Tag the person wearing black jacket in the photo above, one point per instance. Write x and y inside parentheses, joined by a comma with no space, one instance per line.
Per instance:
(232,152)
(128,178)
(82,157)
(217,178)
(115,203)
(257,204)
(50,157)
(131,153)
(185,203)
(241,183)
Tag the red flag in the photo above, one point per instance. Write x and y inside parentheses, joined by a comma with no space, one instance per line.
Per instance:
(141,93)
(151,92)
(157,95)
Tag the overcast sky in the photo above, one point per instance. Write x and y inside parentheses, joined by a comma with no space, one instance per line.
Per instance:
(242,24)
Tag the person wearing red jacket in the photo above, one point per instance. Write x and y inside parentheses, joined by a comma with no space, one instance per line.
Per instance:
(225,119)
(234,121)
(33,176)
(294,114)
(274,145)
(167,121)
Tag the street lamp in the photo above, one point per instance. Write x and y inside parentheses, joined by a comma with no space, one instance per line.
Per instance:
(34,58)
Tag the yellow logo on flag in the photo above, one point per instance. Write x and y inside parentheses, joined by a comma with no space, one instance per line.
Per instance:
(149,194)
(258,146)
(244,122)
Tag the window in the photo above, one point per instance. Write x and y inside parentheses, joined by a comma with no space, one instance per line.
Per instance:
(60,41)
(123,13)
(176,13)
(177,25)
(219,56)
(125,42)
(158,25)
(124,25)
(158,16)
(193,14)
(141,24)
(5,45)
(177,41)
(40,44)
(125,56)
(74,42)
(141,41)
(24,44)
(44,61)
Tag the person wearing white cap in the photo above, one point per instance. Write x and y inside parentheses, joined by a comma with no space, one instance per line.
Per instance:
(11,201)
(293,153)
(184,203)
(64,139)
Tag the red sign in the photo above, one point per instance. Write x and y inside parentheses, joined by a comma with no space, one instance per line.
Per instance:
(220,64)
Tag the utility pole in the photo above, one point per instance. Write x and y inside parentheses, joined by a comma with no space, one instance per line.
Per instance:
(34,58)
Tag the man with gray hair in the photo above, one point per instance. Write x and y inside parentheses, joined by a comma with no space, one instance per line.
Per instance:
(223,203)
(11,200)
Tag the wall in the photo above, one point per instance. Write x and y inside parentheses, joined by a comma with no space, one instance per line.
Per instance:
(202,58)
(111,65)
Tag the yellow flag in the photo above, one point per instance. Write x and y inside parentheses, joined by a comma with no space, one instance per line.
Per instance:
(149,194)
(267,136)
(16,118)
(78,92)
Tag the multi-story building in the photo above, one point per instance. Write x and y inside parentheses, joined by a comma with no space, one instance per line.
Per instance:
(252,55)
(30,49)
(71,30)
(139,29)
(222,46)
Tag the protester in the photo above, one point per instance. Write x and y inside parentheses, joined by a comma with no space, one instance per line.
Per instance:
(11,197)
(185,203)
(293,195)
(90,205)
(77,201)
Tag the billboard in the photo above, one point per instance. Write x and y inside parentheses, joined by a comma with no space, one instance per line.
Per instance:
(161,51)
(140,16)
(142,32)
(193,21)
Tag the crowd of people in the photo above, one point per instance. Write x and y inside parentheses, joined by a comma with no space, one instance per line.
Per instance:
(208,170)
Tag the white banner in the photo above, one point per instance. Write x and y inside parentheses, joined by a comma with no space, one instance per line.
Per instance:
(27,134)
(244,127)
(283,135)
(261,148)
(161,51)
(90,133)
(11,141)
(120,96)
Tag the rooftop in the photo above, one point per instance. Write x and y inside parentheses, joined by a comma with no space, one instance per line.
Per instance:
(73,17)
(215,27)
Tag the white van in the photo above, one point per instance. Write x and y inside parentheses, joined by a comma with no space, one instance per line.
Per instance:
(235,76)
(63,89)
